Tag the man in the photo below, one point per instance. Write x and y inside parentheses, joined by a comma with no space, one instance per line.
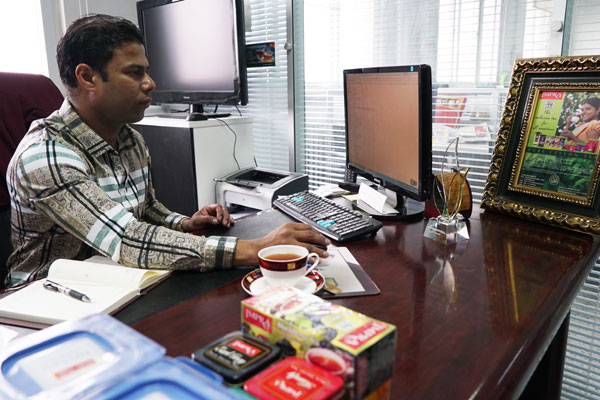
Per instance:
(79,181)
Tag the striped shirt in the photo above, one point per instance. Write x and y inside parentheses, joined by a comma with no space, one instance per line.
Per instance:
(74,196)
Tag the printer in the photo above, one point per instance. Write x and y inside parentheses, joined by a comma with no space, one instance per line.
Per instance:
(258,187)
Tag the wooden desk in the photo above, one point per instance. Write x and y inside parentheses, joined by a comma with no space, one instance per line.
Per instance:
(473,320)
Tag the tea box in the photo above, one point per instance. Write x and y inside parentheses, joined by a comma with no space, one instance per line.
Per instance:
(353,346)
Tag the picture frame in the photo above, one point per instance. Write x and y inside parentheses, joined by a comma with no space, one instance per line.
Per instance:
(545,162)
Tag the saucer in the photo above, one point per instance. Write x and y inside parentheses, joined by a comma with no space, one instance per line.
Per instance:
(254,283)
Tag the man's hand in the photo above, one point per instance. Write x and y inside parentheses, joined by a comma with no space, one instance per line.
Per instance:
(212,214)
(246,252)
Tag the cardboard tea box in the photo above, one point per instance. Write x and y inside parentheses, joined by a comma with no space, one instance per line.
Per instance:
(346,343)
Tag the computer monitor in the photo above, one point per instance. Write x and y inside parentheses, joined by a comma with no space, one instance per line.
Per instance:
(388,131)
(196,51)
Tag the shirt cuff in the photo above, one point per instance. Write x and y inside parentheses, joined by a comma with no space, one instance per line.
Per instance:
(174,220)
(219,251)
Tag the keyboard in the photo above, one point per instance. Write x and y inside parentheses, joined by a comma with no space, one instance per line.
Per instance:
(327,217)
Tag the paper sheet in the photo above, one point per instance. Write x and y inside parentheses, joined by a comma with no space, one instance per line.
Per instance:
(338,275)
(378,201)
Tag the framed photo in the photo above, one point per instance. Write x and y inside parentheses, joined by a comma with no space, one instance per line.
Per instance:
(545,164)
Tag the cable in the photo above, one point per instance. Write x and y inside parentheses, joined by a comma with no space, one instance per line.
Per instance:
(238,110)
(234,140)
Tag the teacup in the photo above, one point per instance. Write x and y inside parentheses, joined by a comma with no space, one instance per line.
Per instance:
(285,264)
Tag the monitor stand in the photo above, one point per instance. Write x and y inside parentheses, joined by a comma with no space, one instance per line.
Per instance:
(196,113)
(406,209)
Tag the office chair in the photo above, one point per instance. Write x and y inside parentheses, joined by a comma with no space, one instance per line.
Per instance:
(23,99)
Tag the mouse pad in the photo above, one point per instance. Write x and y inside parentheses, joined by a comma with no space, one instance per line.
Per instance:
(256,225)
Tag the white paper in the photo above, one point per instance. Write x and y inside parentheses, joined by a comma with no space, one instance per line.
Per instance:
(376,200)
(337,268)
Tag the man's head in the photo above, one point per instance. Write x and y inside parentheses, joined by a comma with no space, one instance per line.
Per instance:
(104,66)
(92,40)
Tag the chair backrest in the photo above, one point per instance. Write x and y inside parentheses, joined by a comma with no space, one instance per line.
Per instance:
(23,99)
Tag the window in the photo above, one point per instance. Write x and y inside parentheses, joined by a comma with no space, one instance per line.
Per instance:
(25,51)
(471,46)
(268,86)
(581,378)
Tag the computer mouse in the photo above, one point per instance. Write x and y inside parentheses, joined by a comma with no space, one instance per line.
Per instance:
(196,117)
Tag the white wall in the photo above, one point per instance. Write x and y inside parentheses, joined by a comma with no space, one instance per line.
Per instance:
(58,14)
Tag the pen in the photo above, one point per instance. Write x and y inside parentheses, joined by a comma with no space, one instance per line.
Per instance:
(55,287)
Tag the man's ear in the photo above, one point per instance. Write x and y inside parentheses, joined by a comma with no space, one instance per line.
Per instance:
(86,77)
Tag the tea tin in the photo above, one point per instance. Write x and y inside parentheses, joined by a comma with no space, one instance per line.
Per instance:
(294,378)
(237,357)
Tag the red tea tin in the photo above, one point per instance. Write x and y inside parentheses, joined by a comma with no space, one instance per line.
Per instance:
(294,378)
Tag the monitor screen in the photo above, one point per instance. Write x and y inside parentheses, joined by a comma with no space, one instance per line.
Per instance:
(388,127)
(196,50)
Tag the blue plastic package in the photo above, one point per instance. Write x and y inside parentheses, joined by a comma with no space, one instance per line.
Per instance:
(71,358)
(200,368)
(166,379)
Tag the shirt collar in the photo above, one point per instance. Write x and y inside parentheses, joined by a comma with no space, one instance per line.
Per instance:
(91,141)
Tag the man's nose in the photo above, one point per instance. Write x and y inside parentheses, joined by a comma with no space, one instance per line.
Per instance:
(148,84)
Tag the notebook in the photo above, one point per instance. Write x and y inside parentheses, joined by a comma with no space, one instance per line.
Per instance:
(108,285)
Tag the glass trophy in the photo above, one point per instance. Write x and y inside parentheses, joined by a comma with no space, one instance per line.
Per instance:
(449,226)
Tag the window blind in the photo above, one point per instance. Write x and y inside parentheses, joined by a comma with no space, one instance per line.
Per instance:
(581,378)
(268,86)
(471,46)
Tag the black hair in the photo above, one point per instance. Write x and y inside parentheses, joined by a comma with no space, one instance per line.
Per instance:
(92,40)
(593,101)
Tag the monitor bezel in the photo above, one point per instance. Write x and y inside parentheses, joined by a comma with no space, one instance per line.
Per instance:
(239,95)
(423,191)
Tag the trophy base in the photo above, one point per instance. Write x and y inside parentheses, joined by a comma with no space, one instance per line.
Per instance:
(447,231)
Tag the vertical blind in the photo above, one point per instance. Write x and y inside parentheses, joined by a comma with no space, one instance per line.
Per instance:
(268,86)
(581,378)
(471,46)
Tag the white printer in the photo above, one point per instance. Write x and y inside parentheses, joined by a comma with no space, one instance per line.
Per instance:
(258,187)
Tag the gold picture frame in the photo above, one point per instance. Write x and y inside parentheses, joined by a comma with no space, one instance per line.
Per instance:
(545,163)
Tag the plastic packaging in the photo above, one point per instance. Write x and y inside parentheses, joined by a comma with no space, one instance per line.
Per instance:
(71,358)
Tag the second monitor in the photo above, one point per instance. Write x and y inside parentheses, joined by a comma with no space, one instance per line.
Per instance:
(388,131)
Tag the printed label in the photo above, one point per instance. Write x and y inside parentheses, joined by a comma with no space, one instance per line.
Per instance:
(360,336)
(64,362)
(245,348)
(259,319)
(294,383)
(552,95)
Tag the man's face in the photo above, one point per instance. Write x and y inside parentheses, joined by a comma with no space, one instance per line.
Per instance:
(124,97)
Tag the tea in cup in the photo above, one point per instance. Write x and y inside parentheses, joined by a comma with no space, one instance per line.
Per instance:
(285,264)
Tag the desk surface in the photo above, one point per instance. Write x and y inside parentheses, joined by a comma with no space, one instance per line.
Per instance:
(473,320)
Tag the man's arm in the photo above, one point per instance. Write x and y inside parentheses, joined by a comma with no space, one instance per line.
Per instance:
(54,180)
(157,214)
